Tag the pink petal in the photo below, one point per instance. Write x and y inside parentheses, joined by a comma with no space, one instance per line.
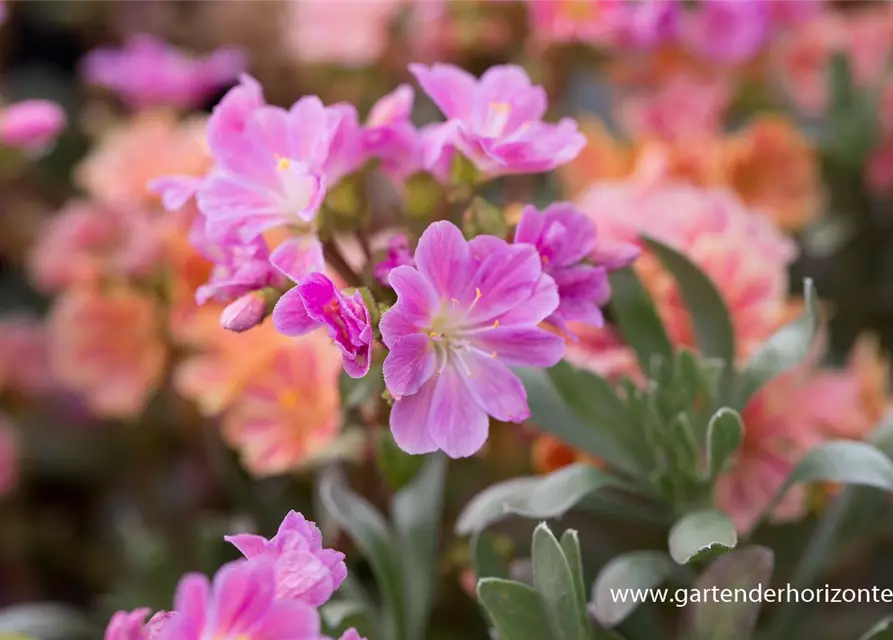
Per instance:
(190,601)
(443,257)
(175,191)
(410,420)
(456,423)
(288,620)
(409,364)
(243,591)
(522,346)
(418,301)
(451,88)
(298,257)
(505,280)
(539,306)
(290,315)
(394,326)
(495,389)
(248,543)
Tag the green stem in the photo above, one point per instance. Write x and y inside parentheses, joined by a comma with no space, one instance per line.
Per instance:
(333,257)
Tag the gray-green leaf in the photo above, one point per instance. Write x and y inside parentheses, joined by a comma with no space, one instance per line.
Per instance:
(514,609)
(631,573)
(883,630)
(554,583)
(700,533)
(724,434)
(637,318)
(744,569)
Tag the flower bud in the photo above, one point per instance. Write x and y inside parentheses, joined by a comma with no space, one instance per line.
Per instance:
(244,312)
(31,125)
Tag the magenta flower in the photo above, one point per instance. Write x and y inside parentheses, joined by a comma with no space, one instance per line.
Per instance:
(32,125)
(240,604)
(304,570)
(390,135)
(268,169)
(397,254)
(496,121)
(148,71)
(728,31)
(131,625)
(316,302)
(464,314)
(564,238)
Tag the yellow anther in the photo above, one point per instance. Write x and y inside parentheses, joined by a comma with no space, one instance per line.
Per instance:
(283,164)
(493,355)
(454,300)
(433,334)
(545,259)
(477,293)
(496,324)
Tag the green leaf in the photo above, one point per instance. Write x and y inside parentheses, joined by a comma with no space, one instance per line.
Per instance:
(397,466)
(639,323)
(554,583)
(540,497)
(514,609)
(356,391)
(336,613)
(372,536)
(417,511)
(883,630)
(745,569)
(700,533)
(638,570)
(843,461)
(782,351)
(551,413)
(594,400)
(570,545)
(724,434)
(710,316)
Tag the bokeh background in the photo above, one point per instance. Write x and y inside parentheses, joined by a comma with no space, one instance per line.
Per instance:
(128,435)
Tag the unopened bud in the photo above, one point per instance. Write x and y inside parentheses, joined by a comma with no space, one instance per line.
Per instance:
(244,313)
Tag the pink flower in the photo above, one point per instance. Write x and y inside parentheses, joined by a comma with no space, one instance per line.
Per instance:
(304,570)
(244,313)
(339,31)
(32,125)
(9,463)
(496,121)
(269,163)
(85,243)
(240,603)
(564,238)
(24,361)
(148,71)
(347,151)
(727,31)
(464,314)
(397,254)
(131,625)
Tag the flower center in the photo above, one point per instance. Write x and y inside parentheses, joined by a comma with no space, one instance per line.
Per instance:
(452,337)
(297,185)
(497,117)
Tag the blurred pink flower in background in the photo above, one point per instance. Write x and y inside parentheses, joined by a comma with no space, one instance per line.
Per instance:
(24,361)
(744,254)
(31,125)
(574,20)
(304,569)
(345,32)
(148,72)
(85,243)
(9,458)
(107,345)
(150,144)
(727,31)
(286,409)
(685,107)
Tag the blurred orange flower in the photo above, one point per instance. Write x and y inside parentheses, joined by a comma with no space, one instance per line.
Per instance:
(150,144)
(107,345)
(549,454)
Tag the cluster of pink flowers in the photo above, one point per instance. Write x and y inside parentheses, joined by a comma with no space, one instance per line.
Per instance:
(722,31)
(273,594)
(466,311)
